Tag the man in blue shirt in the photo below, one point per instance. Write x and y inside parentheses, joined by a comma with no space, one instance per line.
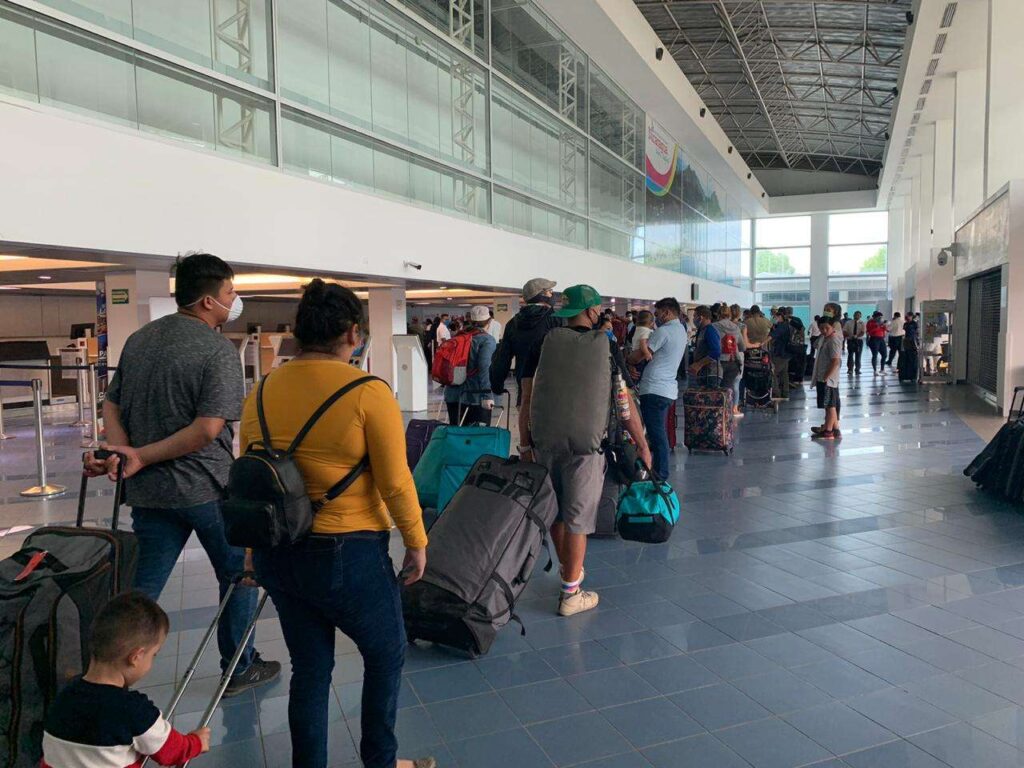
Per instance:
(707,351)
(658,386)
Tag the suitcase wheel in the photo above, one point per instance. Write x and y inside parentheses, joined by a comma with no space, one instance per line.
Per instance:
(690,451)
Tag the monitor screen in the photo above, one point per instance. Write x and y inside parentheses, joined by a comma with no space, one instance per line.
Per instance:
(81,330)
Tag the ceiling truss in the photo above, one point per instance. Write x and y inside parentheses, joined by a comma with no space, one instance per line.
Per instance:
(803,84)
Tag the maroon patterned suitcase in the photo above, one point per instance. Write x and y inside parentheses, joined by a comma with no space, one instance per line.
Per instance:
(708,420)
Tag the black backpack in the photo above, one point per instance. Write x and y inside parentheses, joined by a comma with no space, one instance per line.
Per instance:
(266,502)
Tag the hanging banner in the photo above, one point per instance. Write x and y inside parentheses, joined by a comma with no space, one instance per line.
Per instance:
(661,157)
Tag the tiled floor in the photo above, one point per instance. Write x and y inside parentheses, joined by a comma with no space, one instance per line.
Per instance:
(841,604)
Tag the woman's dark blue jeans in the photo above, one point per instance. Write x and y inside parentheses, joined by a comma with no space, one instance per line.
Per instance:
(344,581)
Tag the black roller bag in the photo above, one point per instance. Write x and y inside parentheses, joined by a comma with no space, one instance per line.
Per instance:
(481,555)
(50,591)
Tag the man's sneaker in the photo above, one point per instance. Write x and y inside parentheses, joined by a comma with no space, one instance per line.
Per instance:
(258,673)
(578,602)
(817,430)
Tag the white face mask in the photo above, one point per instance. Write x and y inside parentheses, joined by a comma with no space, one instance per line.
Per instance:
(234,311)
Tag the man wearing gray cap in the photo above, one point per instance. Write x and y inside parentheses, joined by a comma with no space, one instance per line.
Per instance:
(524,333)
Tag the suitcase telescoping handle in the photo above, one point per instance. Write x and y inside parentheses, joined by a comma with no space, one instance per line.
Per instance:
(506,409)
(225,678)
(103,455)
(1013,405)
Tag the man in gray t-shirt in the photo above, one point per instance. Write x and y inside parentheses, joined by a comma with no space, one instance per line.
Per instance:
(169,412)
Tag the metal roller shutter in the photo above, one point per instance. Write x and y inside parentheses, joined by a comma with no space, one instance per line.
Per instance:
(983,331)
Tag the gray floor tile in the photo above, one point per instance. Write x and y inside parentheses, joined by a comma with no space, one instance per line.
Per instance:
(957,696)
(639,646)
(578,739)
(515,669)
(962,746)
(839,678)
(773,744)
(746,626)
(472,716)
(841,639)
(719,706)
(650,722)
(896,754)
(694,636)
(674,674)
(696,751)
(545,701)
(781,692)
(789,650)
(578,658)
(734,661)
(1007,725)
(838,728)
(901,712)
(609,687)
(894,665)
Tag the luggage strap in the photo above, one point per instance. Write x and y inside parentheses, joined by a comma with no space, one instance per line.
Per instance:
(342,485)
(510,612)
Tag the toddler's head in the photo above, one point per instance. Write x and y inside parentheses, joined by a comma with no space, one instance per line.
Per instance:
(128,633)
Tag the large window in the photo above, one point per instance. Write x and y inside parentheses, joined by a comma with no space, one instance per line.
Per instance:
(484,110)
(782,264)
(857,260)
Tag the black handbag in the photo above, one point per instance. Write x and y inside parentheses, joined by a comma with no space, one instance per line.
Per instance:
(266,502)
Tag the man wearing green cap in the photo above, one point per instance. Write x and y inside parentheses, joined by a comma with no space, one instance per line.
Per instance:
(569,392)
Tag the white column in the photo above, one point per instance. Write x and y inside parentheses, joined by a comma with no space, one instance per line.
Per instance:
(896,261)
(941,278)
(1005,114)
(968,144)
(128,295)
(387,318)
(924,244)
(819,262)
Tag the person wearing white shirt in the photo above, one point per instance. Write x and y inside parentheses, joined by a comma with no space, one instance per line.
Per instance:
(495,327)
(443,334)
(895,338)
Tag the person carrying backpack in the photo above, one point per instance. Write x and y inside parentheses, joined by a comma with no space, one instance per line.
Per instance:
(798,348)
(732,345)
(474,348)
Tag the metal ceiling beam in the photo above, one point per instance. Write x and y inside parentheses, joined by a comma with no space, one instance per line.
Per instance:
(754,85)
(882,3)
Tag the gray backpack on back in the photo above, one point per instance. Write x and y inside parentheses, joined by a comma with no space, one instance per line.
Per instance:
(571,393)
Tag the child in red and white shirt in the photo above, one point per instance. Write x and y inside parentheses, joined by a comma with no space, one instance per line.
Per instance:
(97,721)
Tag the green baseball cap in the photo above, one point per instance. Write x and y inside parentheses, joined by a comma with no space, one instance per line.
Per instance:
(576,299)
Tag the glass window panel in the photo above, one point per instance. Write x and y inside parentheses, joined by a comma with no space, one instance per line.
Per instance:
(437,14)
(17,59)
(615,120)
(783,232)
(520,214)
(172,104)
(528,48)
(694,184)
(610,241)
(527,154)
(663,255)
(305,149)
(853,228)
(86,76)
(372,66)
(616,191)
(858,259)
(352,161)
(781,262)
(211,33)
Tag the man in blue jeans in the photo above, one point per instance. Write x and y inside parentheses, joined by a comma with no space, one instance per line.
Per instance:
(658,386)
(168,411)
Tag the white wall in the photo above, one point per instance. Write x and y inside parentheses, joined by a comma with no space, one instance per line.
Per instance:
(36,317)
(74,183)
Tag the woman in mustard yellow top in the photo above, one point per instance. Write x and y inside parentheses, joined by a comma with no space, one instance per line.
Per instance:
(341,575)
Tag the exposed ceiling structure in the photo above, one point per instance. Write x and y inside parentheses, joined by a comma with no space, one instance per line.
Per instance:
(802,84)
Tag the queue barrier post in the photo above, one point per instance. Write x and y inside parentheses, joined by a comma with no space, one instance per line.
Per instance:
(94,389)
(43,490)
(3,434)
(81,387)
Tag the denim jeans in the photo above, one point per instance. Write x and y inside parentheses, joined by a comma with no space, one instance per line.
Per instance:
(343,581)
(162,534)
(654,409)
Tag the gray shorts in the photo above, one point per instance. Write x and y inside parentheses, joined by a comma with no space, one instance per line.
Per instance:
(578,483)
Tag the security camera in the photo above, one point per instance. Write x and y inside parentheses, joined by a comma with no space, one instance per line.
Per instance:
(659,52)
(414,265)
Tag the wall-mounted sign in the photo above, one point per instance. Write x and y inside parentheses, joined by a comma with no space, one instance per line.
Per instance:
(503,307)
(119,296)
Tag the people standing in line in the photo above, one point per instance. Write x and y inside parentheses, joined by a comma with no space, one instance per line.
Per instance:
(571,383)
(706,368)
(341,577)
(470,402)
(731,339)
(494,326)
(876,341)
(826,378)
(659,388)
(853,332)
(169,411)
(814,332)
(522,335)
(895,338)
(781,338)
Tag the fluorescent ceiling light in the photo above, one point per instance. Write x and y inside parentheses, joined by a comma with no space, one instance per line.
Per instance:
(45,277)
(12,258)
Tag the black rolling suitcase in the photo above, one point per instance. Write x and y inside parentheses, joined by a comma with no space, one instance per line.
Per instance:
(50,591)
(481,555)
(906,368)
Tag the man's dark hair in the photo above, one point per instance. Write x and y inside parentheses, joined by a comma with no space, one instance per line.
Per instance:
(670,304)
(197,275)
(755,310)
(327,311)
(896,314)
(703,311)
(127,622)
